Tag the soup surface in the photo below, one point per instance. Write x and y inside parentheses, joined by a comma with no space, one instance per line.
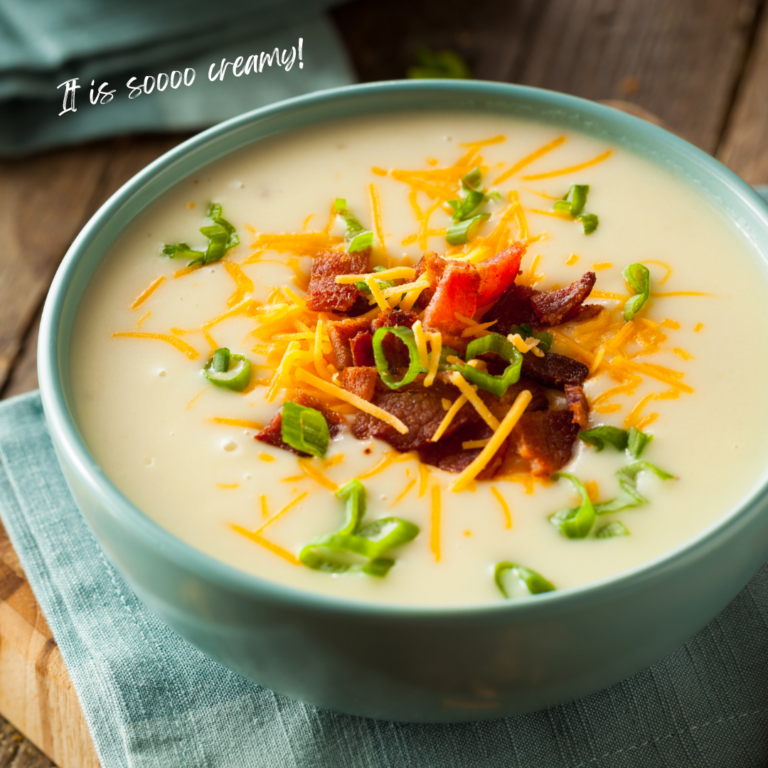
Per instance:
(681,370)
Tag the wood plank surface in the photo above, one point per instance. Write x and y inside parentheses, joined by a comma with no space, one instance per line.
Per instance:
(700,65)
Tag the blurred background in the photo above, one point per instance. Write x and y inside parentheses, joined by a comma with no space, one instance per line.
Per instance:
(698,67)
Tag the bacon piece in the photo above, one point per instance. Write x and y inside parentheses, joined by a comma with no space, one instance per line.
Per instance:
(362,349)
(449,455)
(432,267)
(324,293)
(273,432)
(360,380)
(545,440)
(498,273)
(420,409)
(499,406)
(586,312)
(456,294)
(555,307)
(577,404)
(553,370)
(513,308)
(394,349)
(340,334)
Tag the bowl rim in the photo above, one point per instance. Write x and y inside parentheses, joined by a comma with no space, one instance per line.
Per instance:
(154,537)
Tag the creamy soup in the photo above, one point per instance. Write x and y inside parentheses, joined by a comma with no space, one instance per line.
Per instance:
(183,450)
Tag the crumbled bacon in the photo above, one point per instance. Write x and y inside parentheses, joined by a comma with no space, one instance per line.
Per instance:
(361,345)
(577,404)
(513,308)
(499,406)
(273,432)
(324,293)
(360,380)
(545,440)
(420,409)
(340,334)
(555,307)
(450,455)
(553,370)
(456,294)
(498,273)
(432,267)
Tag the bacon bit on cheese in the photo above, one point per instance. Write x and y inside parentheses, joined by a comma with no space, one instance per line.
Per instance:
(395,273)
(434,534)
(569,169)
(175,341)
(528,159)
(436,348)
(358,402)
(470,393)
(147,292)
(448,418)
(504,506)
(274,548)
(239,423)
(315,474)
(421,344)
(499,436)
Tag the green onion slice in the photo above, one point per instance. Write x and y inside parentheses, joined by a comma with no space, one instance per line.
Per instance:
(515,580)
(353,548)
(600,436)
(472,180)
(221,236)
(382,364)
(225,369)
(467,205)
(525,331)
(439,64)
(574,201)
(627,477)
(500,345)
(362,286)
(305,429)
(181,251)
(575,523)
(639,279)
(356,237)
(636,442)
(464,231)
(610,530)
(589,222)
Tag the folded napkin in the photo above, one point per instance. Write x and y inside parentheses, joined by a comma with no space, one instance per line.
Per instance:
(153,701)
(44,44)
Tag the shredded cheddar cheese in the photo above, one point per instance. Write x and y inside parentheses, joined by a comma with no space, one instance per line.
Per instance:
(175,341)
(448,418)
(395,273)
(504,506)
(470,393)
(147,292)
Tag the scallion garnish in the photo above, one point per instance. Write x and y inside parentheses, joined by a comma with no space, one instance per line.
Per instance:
(467,205)
(353,548)
(222,237)
(305,429)
(610,530)
(627,477)
(382,364)
(472,179)
(362,286)
(493,342)
(574,201)
(577,522)
(439,64)
(525,331)
(633,440)
(589,222)
(463,231)
(639,280)
(356,237)
(515,580)
(225,369)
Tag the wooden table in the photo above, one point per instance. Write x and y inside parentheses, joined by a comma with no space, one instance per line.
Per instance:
(700,65)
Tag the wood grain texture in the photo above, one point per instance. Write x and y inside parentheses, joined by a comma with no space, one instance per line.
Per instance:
(680,60)
(745,144)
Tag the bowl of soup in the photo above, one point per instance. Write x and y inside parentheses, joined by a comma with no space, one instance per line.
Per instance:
(426,401)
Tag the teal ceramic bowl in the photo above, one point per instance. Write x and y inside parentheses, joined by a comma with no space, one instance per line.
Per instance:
(405,663)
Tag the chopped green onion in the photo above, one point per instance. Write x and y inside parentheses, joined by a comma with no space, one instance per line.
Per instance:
(356,237)
(639,279)
(221,238)
(181,251)
(575,523)
(305,429)
(219,370)
(471,180)
(340,205)
(599,436)
(525,331)
(627,477)
(636,442)
(526,582)
(574,201)
(467,205)
(500,345)
(464,231)
(353,548)
(589,222)
(440,65)
(362,286)
(360,242)
(610,530)
(382,364)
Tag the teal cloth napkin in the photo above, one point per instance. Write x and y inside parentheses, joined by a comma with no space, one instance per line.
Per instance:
(44,44)
(153,701)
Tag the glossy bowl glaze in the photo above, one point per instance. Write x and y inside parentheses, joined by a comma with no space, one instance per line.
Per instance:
(405,663)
